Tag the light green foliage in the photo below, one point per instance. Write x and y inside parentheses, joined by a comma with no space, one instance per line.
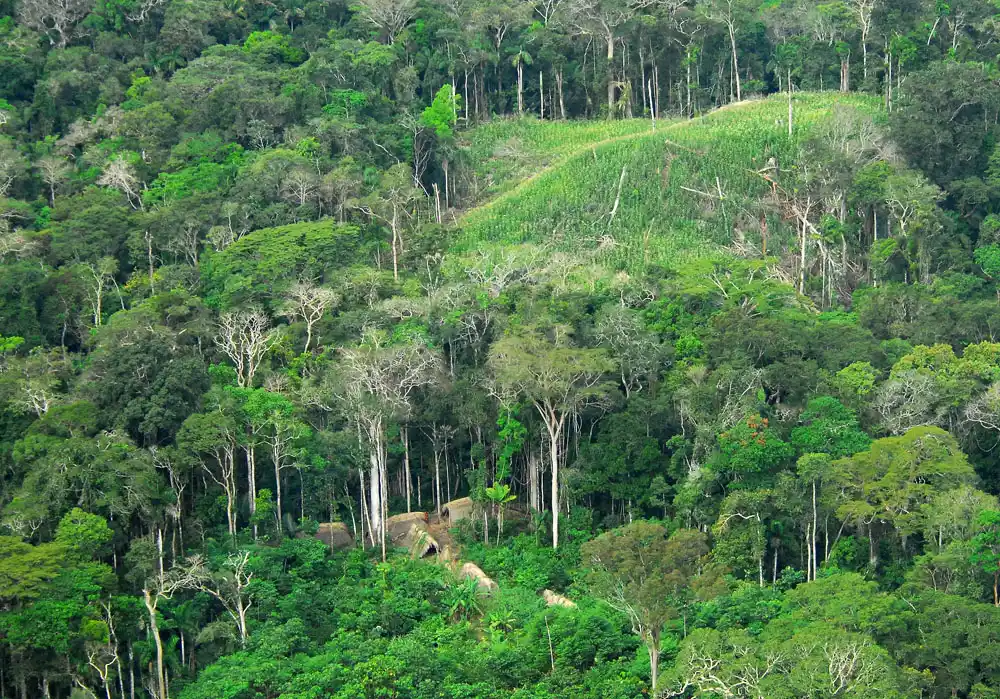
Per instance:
(986,548)
(252,267)
(752,448)
(26,569)
(646,575)
(657,220)
(506,151)
(830,428)
(440,115)
(891,481)
(86,535)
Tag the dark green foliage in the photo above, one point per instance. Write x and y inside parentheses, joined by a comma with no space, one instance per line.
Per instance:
(722,388)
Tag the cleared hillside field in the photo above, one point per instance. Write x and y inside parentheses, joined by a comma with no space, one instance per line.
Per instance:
(683,192)
(504,152)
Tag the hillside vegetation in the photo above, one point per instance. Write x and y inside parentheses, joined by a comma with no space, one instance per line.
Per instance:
(505,152)
(382,349)
(664,197)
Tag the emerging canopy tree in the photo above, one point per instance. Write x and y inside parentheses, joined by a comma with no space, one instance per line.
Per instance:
(389,16)
(376,382)
(890,482)
(645,574)
(308,302)
(558,379)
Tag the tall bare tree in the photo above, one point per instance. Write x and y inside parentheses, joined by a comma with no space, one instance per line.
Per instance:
(377,381)
(308,302)
(54,171)
(390,204)
(390,16)
(119,174)
(245,337)
(56,19)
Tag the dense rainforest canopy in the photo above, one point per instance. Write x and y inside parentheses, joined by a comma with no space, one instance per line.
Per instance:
(474,349)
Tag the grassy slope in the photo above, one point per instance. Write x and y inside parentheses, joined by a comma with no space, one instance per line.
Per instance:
(504,152)
(569,205)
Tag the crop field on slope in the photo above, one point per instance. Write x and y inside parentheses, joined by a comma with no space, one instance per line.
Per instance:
(506,151)
(683,192)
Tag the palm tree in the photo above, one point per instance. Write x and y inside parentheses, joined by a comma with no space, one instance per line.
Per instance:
(518,60)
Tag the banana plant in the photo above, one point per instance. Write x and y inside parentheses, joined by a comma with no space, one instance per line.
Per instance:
(499,494)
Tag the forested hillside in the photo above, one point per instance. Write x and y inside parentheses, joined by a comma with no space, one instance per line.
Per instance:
(471,349)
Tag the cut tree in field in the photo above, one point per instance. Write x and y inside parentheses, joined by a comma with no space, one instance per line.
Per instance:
(558,379)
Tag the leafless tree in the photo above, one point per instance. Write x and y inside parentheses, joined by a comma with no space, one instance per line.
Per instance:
(728,14)
(222,469)
(141,11)
(230,586)
(119,174)
(15,243)
(238,224)
(101,656)
(163,586)
(54,171)
(390,204)
(308,302)
(390,16)
(908,399)
(300,186)
(12,165)
(102,275)
(56,19)
(620,330)
(496,269)
(39,377)
(377,381)
(984,411)
(864,16)
(245,337)
(185,242)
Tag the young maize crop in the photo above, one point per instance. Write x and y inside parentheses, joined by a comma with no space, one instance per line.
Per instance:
(505,151)
(690,189)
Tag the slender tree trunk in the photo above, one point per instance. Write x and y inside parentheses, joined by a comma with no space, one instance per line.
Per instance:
(611,77)
(653,646)
(812,548)
(790,108)
(554,424)
(520,87)
(437,481)
(154,629)
(375,496)
(406,467)
(736,63)
(277,493)
(864,56)
(541,95)
(559,88)
(251,455)
(395,239)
